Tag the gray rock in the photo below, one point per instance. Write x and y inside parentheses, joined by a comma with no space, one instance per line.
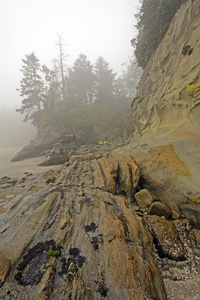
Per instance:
(159,209)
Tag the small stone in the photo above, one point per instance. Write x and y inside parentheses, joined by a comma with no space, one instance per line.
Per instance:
(81,193)
(135,207)
(144,198)
(175,215)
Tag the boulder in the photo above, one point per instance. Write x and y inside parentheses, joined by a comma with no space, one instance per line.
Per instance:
(59,154)
(159,209)
(144,198)
(166,237)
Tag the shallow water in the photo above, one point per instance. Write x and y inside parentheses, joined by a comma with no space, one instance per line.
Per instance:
(18,168)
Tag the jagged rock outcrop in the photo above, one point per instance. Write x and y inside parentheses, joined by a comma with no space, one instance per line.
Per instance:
(166,112)
(76,237)
(59,154)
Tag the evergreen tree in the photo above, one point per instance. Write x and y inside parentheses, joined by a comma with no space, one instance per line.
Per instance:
(81,81)
(31,88)
(104,81)
(126,84)
(153,21)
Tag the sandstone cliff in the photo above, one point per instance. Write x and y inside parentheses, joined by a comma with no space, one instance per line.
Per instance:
(166,111)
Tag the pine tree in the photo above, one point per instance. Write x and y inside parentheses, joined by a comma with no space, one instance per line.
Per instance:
(153,21)
(126,84)
(81,81)
(104,81)
(31,88)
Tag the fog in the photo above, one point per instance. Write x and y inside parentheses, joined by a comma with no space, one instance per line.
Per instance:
(93,27)
(13,132)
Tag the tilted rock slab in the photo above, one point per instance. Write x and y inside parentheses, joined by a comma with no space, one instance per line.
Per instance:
(75,241)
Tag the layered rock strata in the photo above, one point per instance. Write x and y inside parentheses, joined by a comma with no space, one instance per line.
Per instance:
(75,237)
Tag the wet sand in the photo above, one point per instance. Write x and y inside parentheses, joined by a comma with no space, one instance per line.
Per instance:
(17,169)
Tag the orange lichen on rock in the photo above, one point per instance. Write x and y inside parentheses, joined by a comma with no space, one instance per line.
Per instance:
(166,156)
(5,265)
(195,199)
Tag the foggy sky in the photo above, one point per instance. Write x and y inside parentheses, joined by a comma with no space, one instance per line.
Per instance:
(92,27)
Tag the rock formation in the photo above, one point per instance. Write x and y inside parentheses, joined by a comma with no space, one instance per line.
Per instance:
(59,154)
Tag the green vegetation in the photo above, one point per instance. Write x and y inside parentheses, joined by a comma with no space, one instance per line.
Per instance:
(52,253)
(100,241)
(153,21)
(78,99)
(62,259)
(75,268)
(38,281)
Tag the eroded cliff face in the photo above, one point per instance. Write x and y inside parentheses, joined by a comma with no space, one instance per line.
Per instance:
(166,126)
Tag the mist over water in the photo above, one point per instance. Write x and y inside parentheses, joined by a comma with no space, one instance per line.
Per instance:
(17,169)
(13,132)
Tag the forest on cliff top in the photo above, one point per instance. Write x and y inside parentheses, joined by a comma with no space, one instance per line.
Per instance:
(153,20)
(73,100)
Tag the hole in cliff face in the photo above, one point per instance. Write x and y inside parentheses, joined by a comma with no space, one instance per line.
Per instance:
(143,184)
(190,51)
(185,49)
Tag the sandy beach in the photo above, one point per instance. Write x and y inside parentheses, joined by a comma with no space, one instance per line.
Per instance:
(17,169)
